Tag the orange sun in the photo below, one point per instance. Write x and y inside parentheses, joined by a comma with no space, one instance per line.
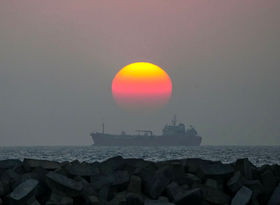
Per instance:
(141,84)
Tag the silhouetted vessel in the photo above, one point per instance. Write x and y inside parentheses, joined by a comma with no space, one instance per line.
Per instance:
(172,135)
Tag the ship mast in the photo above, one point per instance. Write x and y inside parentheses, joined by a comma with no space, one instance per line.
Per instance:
(103,127)
(174,121)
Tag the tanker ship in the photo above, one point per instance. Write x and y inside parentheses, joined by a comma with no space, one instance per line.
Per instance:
(172,135)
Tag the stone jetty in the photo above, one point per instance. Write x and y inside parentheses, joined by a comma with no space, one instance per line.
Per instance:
(118,181)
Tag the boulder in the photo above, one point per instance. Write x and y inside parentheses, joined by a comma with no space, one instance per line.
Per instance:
(135,184)
(45,164)
(134,199)
(245,167)
(189,179)
(57,199)
(157,202)
(92,200)
(121,180)
(111,164)
(172,190)
(82,169)
(215,196)
(9,163)
(211,183)
(63,184)
(102,180)
(275,197)
(23,192)
(242,197)
(269,181)
(160,180)
(193,165)
(254,185)
(193,196)
(106,193)
(216,171)
(235,182)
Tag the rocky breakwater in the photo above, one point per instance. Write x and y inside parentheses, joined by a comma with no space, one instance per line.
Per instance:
(119,181)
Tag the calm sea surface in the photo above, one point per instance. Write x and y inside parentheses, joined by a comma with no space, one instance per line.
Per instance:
(258,155)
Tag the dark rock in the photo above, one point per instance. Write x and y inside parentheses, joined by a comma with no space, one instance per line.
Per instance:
(135,184)
(245,167)
(82,169)
(193,165)
(157,202)
(192,197)
(45,164)
(275,197)
(93,200)
(160,180)
(106,193)
(103,180)
(9,163)
(134,199)
(215,196)
(242,197)
(112,164)
(189,179)
(172,190)
(23,192)
(235,182)
(211,183)
(254,185)
(119,199)
(57,199)
(269,181)
(216,170)
(121,179)
(63,184)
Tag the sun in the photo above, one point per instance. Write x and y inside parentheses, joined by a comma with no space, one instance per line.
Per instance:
(141,84)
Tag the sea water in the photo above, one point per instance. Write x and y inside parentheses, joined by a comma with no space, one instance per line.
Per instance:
(258,155)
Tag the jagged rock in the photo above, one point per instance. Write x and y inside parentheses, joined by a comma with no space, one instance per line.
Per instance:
(119,199)
(9,178)
(23,192)
(1,202)
(134,199)
(172,190)
(121,179)
(106,193)
(215,196)
(269,181)
(45,164)
(242,197)
(275,197)
(193,165)
(235,182)
(157,202)
(82,169)
(193,196)
(103,180)
(246,167)
(160,180)
(135,184)
(211,183)
(9,163)
(63,184)
(216,170)
(255,186)
(189,179)
(92,200)
(57,199)
(32,201)
(111,164)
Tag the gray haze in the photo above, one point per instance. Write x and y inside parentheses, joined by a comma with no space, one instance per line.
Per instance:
(58,59)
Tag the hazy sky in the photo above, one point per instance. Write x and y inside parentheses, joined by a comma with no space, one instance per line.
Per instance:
(58,59)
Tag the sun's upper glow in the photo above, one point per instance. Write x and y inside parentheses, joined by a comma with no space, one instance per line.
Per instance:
(141,84)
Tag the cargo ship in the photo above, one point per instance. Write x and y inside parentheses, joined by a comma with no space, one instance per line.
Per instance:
(172,135)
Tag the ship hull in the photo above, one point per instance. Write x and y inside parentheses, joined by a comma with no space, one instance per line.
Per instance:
(100,139)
